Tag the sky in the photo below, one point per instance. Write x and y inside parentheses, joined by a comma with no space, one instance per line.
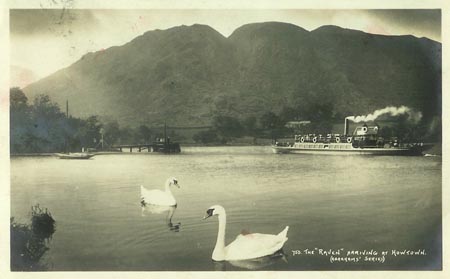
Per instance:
(43,41)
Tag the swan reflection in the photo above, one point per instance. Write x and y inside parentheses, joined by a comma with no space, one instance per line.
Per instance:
(252,264)
(159,209)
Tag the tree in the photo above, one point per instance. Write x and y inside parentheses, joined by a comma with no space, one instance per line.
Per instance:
(73,134)
(227,127)
(126,135)
(111,132)
(17,99)
(144,134)
(273,124)
(40,127)
(43,106)
(321,117)
(19,120)
(249,124)
(90,132)
(289,114)
(48,125)
(270,120)
(205,137)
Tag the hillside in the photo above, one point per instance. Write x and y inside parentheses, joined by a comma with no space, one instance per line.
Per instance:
(188,74)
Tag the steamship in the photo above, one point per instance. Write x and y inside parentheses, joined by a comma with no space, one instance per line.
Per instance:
(364,141)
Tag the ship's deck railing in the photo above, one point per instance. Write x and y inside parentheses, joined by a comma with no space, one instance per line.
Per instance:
(319,138)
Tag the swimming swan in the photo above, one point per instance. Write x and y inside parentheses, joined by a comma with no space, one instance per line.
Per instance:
(248,246)
(158,197)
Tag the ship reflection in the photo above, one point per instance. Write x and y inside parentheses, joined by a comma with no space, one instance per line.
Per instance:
(253,264)
(159,209)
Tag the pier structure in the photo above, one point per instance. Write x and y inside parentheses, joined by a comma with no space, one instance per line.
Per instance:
(151,147)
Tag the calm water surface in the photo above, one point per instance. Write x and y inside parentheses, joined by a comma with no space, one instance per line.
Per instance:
(329,202)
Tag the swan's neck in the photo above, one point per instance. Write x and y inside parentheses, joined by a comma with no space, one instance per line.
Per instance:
(219,250)
(167,187)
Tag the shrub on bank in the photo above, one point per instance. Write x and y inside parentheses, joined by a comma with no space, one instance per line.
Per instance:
(30,242)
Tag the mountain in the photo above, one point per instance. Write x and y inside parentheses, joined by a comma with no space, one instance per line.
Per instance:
(187,74)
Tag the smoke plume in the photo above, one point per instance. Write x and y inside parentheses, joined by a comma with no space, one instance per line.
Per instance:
(413,116)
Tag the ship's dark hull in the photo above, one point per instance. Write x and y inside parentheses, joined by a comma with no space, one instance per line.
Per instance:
(346,149)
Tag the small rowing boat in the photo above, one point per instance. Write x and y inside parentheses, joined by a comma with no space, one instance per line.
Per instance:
(77,155)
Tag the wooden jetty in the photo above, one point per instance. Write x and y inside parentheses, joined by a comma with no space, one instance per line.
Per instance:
(161,147)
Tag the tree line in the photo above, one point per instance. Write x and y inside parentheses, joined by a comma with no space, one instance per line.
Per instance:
(40,126)
(269,125)
(320,121)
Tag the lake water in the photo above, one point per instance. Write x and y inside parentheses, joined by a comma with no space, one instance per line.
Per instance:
(344,203)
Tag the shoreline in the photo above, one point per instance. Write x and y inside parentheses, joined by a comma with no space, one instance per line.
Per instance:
(32,155)
(435,149)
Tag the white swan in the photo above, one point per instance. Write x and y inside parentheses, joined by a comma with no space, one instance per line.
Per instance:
(158,197)
(248,246)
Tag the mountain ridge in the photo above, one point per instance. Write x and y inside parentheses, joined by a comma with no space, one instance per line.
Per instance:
(188,74)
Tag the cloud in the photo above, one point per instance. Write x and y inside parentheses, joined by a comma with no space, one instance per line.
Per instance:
(30,22)
(424,22)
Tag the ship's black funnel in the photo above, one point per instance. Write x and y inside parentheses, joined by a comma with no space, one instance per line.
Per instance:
(346,124)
